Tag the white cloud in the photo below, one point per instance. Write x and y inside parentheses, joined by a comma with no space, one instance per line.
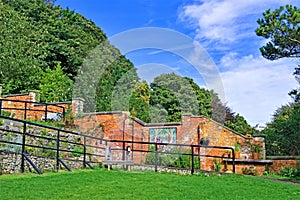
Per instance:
(225,20)
(256,87)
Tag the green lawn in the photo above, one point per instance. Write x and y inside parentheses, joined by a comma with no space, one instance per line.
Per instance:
(102,184)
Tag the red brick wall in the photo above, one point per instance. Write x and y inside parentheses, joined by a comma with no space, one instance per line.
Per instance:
(34,110)
(277,164)
(118,126)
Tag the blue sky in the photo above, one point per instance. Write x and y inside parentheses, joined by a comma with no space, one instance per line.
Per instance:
(253,86)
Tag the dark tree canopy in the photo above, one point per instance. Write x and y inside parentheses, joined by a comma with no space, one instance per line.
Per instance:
(283,133)
(282,28)
(36,36)
(175,94)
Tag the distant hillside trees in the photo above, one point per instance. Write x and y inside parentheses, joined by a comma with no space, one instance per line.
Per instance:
(173,95)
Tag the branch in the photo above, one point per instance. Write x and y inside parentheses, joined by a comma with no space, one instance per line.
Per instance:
(294,40)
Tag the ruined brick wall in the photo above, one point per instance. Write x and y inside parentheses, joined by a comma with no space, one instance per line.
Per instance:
(281,162)
(34,110)
(119,126)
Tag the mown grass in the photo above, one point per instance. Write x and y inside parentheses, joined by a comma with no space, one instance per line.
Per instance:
(102,184)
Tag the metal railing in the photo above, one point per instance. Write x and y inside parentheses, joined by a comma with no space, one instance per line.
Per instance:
(25,108)
(92,146)
(190,151)
(52,147)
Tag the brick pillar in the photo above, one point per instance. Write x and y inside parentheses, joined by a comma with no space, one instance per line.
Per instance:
(34,95)
(77,105)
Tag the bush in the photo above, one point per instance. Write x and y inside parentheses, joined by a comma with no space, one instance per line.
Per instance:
(290,172)
(77,152)
(172,157)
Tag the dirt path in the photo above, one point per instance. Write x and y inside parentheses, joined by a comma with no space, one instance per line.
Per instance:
(283,180)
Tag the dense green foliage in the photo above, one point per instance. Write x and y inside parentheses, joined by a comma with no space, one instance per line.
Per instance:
(173,95)
(295,93)
(281,26)
(283,133)
(140,102)
(19,69)
(61,53)
(101,184)
(55,86)
(36,36)
(239,124)
(105,80)
(178,95)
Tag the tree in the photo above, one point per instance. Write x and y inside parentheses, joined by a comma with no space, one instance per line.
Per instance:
(64,36)
(203,97)
(281,27)
(116,85)
(239,124)
(174,94)
(19,69)
(35,36)
(218,108)
(139,104)
(295,93)
(55,86)
(283,133)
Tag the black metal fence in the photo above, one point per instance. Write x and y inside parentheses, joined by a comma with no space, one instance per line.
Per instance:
(64,145)
(190,150)
(25,109)
(54,143)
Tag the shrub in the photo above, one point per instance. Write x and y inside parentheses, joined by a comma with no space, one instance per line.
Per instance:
(217,165)
(290,172)
(77,152)
(172,157)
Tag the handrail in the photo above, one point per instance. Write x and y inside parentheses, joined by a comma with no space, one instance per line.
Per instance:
(57,138)
(192,146)
(25,109)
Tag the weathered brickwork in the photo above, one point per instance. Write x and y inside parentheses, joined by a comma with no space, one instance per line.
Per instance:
(120,126)
(34,111)
(277,164)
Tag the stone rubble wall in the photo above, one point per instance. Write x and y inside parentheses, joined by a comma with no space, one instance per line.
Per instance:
(11,162)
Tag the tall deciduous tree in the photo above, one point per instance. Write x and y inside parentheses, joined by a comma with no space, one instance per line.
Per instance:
(19,69)
(35,36)
(174,94)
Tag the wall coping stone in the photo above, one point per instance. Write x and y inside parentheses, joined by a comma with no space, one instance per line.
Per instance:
(157,124)
(249,161)
(283,157)
(15,95)
(103,113)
